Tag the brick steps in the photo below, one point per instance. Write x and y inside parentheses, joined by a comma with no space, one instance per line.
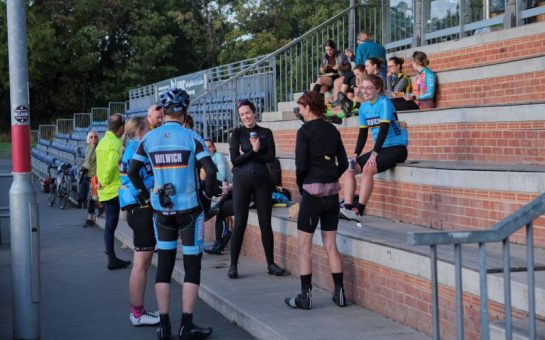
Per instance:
(386,275)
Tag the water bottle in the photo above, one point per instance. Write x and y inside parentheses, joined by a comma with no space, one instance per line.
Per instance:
(253,135)
(351,164)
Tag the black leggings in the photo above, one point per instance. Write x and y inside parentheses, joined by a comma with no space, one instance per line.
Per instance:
(226,210)
(243,187)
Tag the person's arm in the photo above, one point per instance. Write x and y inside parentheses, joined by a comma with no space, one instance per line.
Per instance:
(203,157)
(89,151)
(110,163)
(381,137)
(342,161)
(401,85)
(137,162)
(237,158)
(270,153)
(301,160)
(222,167)
(362,139)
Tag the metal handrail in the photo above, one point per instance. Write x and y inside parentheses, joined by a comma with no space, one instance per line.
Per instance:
(275,53)
(500,232)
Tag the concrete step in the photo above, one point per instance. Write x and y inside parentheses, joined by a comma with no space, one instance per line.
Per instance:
(287,106)
(277,116)
(520,330)
(255,302)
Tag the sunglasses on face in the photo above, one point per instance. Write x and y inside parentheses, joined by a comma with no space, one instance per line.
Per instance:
(157,108)
(243,102)
(94,137)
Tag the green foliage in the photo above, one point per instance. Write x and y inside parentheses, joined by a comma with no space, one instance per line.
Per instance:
(85,53)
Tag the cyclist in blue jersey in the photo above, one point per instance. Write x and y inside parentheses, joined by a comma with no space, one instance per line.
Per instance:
(140,219)
(173,152)
(379,115)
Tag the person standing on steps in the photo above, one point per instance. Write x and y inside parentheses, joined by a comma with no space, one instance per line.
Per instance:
(140,219)
(173,152)
(251,147)
(320,160)
(108,155)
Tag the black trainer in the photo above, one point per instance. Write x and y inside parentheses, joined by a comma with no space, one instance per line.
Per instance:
(194,332)
(274,269)
(339,298)
(216,248)
(300,301)
(233,271)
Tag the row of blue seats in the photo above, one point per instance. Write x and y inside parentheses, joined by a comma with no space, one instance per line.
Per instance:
(45,161)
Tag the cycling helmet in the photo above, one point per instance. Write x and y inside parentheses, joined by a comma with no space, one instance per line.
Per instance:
(175,98)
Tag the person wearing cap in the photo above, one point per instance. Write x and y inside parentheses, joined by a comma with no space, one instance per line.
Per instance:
(155,116)
(173,152)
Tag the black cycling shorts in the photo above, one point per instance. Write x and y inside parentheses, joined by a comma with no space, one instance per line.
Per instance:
(387,158)
(318,209)
(141,222)
(189,226)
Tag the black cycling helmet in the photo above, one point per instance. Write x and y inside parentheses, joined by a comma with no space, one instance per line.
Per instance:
(175,99)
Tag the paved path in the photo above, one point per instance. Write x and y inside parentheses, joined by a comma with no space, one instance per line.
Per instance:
(80,298)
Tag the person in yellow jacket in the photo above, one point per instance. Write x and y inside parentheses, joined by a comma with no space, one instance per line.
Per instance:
(108,154)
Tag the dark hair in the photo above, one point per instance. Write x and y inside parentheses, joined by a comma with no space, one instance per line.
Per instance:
(246,102)
(377,81)
(360,67)
(375,61)
(330,43)
(315,102)
(398,61)
(115,121)
(209,140)
(188,122)
(420,58)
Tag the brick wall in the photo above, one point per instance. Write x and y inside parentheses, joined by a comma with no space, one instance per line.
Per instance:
(486,54)
(442,208)
(496,142)
(402,297)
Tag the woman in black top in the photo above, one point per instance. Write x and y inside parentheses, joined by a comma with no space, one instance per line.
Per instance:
(251,148)
(320,159)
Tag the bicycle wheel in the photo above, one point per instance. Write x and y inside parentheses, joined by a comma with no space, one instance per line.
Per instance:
(52,195)
(66,188)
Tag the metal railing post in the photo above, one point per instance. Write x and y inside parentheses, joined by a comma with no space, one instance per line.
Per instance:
(507,289)
(531,280)
(459,292)
(485,330)
(434,292)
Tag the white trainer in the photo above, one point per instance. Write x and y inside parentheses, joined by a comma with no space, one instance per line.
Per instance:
(350,215)
(146,319)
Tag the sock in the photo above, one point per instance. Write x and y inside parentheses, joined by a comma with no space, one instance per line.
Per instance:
(316,88)
(137,311)
(187,319)
(306,282)
(348,206)
(164,320)
(361,208)
(337,280)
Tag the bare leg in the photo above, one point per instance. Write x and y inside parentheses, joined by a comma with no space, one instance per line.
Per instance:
(189,297)
(367,184)
(329,239)
(304,243)
(138,278)
(337,87)
(162,292)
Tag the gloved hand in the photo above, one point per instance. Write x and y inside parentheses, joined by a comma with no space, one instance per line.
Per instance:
(142,197)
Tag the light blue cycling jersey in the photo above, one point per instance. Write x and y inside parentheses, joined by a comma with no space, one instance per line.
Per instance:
(172,151)
(382,110)
(127,192)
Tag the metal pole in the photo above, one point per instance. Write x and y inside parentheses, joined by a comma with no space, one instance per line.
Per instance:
(434,292)
(459,292)
(25,254)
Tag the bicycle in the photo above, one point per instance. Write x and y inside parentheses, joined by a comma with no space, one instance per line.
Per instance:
(62,186)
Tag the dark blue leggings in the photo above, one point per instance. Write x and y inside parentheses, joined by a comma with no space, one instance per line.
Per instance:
(112,218)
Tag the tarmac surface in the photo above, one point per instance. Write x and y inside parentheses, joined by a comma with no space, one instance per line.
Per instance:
(81,299)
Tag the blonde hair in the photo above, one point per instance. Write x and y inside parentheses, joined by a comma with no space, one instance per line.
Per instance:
(89,134)
(134,124)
